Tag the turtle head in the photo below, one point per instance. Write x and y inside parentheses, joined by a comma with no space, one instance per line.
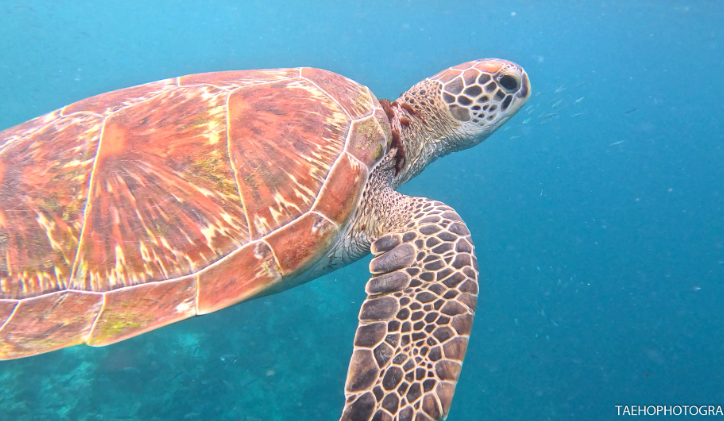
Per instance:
(482,95)
(457,109)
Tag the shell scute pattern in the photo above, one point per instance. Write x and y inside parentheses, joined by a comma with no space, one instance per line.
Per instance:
(151,214)
(367,140)
(357,100)
(245,272)
(24,130)
(49,218)
(66,319)
(340,196)
(293,133)
(129,312)
(110,102)
(232,79)
(174,198)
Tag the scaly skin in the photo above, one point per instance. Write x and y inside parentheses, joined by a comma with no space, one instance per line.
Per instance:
(430,132)
(415,323)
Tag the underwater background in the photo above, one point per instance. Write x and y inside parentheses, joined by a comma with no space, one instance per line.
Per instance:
(597,211)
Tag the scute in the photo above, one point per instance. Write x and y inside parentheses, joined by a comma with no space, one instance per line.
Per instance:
(43,194)
(140,207)
(237,78)
(243,273)
(293,133)
(366,140)
(298,244)
(111,102)
(163,200)
(131,311)
(49,322)
(339,197)
(353,97)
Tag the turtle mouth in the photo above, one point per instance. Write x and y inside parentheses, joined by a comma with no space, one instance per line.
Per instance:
(483,97)
(524,91)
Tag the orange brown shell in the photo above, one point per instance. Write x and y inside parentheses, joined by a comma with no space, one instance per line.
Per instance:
(137,208)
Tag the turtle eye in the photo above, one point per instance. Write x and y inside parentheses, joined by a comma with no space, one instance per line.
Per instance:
(509,82)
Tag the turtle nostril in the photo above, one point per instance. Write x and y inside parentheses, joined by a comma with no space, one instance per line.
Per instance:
(510,83)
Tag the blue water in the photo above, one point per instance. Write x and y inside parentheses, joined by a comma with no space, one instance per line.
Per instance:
(600,237)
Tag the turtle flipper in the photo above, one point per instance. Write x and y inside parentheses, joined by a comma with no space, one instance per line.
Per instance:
(415,323)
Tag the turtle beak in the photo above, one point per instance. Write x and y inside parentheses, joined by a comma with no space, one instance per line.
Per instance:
(524,91)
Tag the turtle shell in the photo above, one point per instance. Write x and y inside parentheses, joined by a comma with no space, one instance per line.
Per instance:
(137,208)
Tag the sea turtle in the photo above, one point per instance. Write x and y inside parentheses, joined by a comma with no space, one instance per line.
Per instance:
(137,208)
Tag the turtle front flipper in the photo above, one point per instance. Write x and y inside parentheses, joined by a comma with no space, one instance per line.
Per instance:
(415,323)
